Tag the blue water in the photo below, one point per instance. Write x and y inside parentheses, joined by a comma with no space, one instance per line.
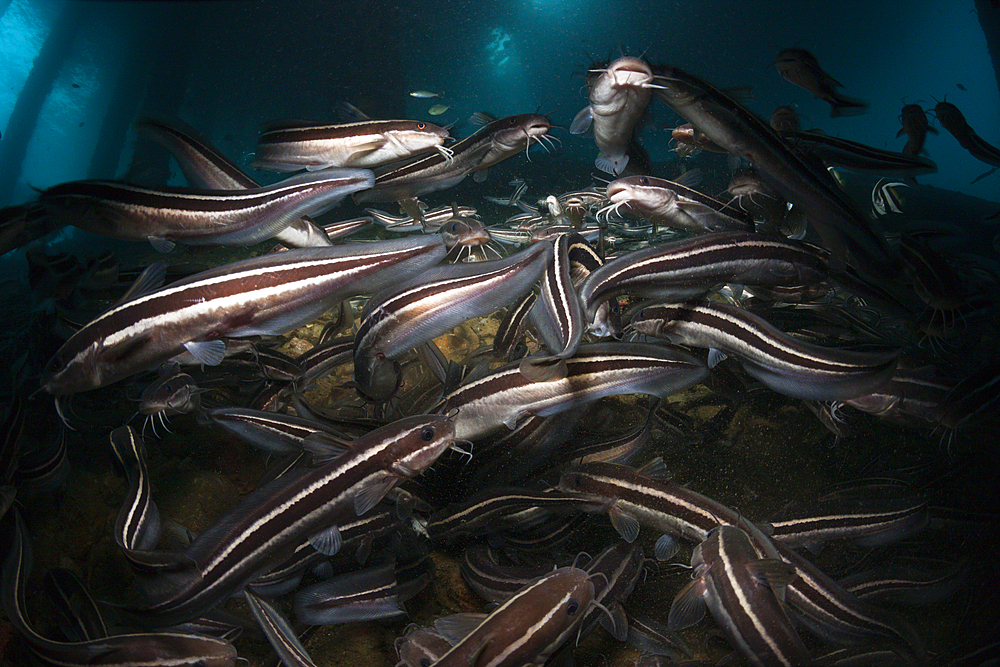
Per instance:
(251,63)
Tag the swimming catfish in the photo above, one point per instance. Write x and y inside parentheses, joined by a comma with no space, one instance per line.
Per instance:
(800,67)
(619,94)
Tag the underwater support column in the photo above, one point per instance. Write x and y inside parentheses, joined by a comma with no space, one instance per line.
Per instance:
(989,19)
(24,117)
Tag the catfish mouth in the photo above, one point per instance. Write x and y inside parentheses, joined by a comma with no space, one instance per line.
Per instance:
(618,191)
(636,78)
(537,129)
(744,190)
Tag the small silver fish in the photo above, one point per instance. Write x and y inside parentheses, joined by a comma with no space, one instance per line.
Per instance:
(424,94)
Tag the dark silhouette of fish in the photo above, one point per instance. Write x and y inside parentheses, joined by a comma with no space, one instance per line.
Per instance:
(800,67)
(952,120)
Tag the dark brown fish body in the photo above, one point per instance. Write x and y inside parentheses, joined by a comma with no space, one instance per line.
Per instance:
(686,134)
(122,650)
(530,626)
(953,121)
(676,205)
(735,584)
(785,119)
(270,293)
(784,363)
(801,68)
(845,230)
(268,524)
(677,510)
(196,216)
(205,167)
(915,127)
(465,237)
(857,157)
(752,194)
(367,143)
(497,140)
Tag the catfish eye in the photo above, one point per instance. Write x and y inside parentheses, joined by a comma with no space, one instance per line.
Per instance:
(57,363)
(421,126)
(643,180)
(454,226)
(572,607)
(427,434)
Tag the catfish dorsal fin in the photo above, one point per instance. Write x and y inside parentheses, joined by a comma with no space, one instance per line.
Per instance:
(480,118)
(456,627)
(150,280)
(655,469)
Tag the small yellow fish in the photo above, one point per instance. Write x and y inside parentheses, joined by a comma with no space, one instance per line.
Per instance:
(438,109)
(424,94)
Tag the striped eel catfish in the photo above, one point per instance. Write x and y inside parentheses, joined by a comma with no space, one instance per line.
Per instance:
(909,584)
(800,67)
(176,649)
(635,498)
(265,528)
(205,167)
(952,120)
(595,371)
(373,593)
(695,265)
(828,610)
(434,218)
(420,647)
(274,432)
(620,564)
(858,157)
(195,216)
(584,260)
(874,513)
(688,141)
(271,294)
(138,523)
(81,620)
(913,118)
(173,393)
(492,581)
(357,534)
(366,143)
(786,364)
(497,140)
(675,205)
(734,583)
(279,632)
(432,303)
(495,509)
(618,94)
(845,231)
(557,314)
(526,629)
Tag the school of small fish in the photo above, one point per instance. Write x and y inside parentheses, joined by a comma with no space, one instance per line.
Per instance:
(583,424)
